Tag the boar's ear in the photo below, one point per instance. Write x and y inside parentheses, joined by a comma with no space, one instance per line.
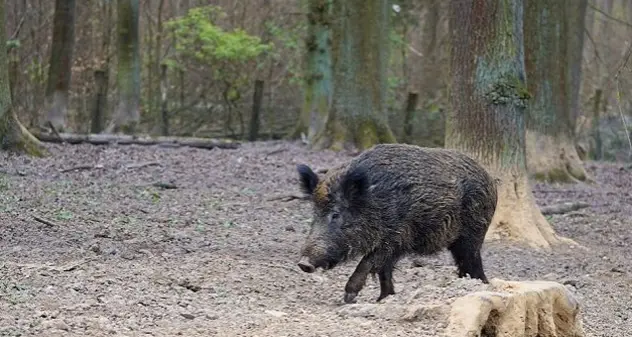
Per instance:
(355,185)
(308,179)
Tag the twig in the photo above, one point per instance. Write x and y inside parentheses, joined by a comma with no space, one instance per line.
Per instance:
(52,127)
(142,165)
(72,265)
(283,149)
(563,208)
(81,168)
(288,198)
(165,186)
(44,221)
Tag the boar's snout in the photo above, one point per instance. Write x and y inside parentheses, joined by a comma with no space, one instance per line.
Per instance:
(305,265)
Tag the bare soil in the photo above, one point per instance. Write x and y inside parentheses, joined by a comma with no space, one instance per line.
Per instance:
(111,248)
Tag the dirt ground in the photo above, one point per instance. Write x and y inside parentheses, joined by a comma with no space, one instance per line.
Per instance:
(108,249)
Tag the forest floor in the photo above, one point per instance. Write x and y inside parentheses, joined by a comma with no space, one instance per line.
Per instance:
(105,249)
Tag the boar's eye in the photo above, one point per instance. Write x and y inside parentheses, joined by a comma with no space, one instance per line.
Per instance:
(334,216)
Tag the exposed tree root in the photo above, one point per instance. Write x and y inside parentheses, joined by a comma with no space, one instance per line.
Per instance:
(518,218)
(338,137)
(15,137)
(554,160)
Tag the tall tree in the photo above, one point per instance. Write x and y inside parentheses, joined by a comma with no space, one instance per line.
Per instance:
(488,101)
(318,88)
(360,54)
(553,40)
(127,114)
(59,70)
(13,136)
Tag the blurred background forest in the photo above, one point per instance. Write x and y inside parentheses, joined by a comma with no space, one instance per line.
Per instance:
(200,62)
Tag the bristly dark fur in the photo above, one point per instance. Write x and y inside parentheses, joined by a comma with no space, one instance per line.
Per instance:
(393,200)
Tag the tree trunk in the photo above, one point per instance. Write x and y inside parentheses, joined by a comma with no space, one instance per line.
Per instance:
(59,70)
(553,61)
(255,117)
(100,100)
(127,114)
(318,89)
(488,102)
(430,72)
(360,50)
(164,108)
(13,136)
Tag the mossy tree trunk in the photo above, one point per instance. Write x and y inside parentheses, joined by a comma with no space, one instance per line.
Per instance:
(360,51)
(13,136)
(318,90)
(488,101)
(60,67)
(127,114)
(553,50)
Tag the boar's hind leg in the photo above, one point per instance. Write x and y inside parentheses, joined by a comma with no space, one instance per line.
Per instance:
(358,278)
(467,257)
(386,281)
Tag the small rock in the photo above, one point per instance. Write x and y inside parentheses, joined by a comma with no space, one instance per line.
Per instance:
(570,282)
(95,248)
(275,313)
(290,228)
(55,324)
(187,315)
(212,317)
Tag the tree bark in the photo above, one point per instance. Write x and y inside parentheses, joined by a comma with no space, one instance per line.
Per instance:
(360,50)
(13,135)
(60,65)
(318,88)
(553,50)
(127,114)
(488,103)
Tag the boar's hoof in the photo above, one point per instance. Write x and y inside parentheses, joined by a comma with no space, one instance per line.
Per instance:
(305,265)
(350,297)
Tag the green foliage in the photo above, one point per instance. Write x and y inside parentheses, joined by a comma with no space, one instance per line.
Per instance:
(197,36)
(291,41)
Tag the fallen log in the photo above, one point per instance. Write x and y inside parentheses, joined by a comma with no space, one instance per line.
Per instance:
(106,139)
(563,208)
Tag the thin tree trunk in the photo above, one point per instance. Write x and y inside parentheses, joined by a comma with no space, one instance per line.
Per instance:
(488,103)
(164,111)
(59,70)
(127,114)
(360,54)
(100,101)
(257,101)
(553,51)
(13,135)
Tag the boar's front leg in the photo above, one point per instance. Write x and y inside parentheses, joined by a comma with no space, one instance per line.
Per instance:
(358,278)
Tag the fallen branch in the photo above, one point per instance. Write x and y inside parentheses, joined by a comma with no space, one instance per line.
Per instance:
(288,198)
(44,221)
(563,208)
(106,139)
